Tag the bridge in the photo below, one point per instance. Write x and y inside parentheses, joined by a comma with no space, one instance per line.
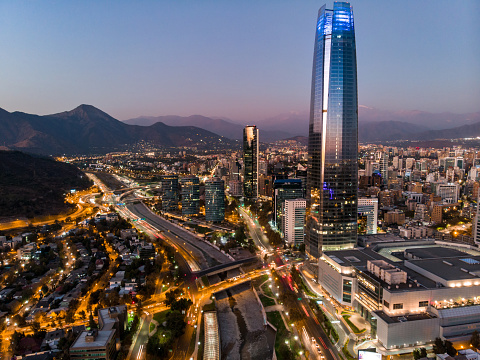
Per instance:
(135,188)
(224,267)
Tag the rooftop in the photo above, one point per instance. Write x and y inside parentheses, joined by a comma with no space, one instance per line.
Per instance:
(449,269)
(101,340)
(109,322)
(403,318)
(435,252)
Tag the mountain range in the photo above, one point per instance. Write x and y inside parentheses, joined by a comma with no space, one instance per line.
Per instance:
(88,130)
(224,127)
(374,124)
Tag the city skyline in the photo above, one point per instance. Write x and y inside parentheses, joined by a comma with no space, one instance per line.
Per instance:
(195,237)
(160,59)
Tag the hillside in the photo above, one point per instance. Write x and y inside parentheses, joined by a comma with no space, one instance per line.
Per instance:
(34,186)
(88,130)
(388,130)
(218,126)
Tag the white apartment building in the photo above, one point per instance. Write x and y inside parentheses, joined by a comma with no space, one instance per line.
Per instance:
(368,206)
(294,221)
(448,192)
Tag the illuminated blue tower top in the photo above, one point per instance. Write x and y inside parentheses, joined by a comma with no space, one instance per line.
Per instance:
(333,135)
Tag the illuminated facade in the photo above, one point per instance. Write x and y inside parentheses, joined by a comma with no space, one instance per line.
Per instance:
(333,137)
(214,200)
(212,338)
(190,195)
(170,192)
(250,162)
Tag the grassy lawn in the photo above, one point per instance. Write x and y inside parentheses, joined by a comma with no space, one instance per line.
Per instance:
(275,319)
(283,333)
(152,326)
(260,280)
(267,290)
(160,316)
(355,329)
(266,301)
(346,352)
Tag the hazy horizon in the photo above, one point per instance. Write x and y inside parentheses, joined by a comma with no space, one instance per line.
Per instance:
(244,61)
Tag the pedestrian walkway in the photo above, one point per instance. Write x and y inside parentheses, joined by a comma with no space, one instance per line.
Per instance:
(150,333)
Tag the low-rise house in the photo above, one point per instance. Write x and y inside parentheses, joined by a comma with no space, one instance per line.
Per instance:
(52,338)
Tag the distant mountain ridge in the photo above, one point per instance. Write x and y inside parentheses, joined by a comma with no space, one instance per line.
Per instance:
(374,124)
(88,130)
(219,126)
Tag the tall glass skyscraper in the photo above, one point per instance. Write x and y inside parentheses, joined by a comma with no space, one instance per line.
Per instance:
(214,200)
(190,195)
(170,192)
(250,162)
(333,136)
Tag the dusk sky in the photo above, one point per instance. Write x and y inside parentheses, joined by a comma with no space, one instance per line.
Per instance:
(244,60)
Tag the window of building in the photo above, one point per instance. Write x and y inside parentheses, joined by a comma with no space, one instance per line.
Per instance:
(423,304)
(397,306)
(347,290)
(385,302)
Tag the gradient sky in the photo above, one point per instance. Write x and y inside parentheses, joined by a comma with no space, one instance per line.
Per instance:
(245,60)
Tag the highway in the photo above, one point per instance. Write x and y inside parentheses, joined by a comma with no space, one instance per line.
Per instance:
(256,232)
(311,324)
(182,237)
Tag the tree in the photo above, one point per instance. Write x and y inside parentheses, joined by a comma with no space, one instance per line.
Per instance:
(181,304)
(475,339)
(175,323)
(15,340)
(438,347)
(450,349)
(301,248)
(91,322)
(295,315)
(442,347)
(171,296)
(35,325)
(83,315)
(240,234)
(419,353)
(284,352)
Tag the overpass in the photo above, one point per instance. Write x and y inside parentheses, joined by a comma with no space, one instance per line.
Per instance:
(126,188)
(224,267)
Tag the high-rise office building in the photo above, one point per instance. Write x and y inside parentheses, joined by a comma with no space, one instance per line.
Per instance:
(294,221)
(214,200)
(190,195)
(250,162)
(284,189)
(333,134)
(368,215)
(383,160)
(170,192)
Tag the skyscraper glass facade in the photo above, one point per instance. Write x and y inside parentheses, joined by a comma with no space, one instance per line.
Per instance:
(333,136)
(214,200)
(170,192)
(250,162)
(190,195)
